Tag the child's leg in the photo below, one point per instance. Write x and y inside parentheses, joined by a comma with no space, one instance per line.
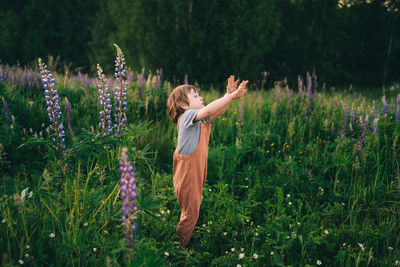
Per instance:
(189,200)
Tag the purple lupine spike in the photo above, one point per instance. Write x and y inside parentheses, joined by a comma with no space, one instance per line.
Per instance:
(375,126)
(397,107)
(105,124)
(372,115)
(308,86)
(120,93)
(186,79)
(1,74)
(141,81)
(385,106)
(287,93)
(157,80)
(364,132)
(68,117)
(345,119)
(128,196)
(315,82)
(278,94)
(80,78)
(53,106)
(300,86)
(5,111)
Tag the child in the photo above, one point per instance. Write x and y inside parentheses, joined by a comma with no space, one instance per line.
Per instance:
(186,108)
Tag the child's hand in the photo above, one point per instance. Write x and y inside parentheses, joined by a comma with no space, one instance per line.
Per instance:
(240,91)
(232,84)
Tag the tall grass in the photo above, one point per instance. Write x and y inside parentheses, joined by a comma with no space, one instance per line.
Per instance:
(289,182)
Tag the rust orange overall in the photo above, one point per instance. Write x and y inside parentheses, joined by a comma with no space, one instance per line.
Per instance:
(189,177)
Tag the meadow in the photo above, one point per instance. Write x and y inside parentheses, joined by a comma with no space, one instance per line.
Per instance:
(301,174)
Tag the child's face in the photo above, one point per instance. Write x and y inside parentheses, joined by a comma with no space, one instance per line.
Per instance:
(195,100)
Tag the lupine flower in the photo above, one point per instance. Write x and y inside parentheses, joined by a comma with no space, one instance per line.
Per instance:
(287,93)
(385,106)
(157,80)
(128,196)
(68,118)
(300,86)
(105,124)
(375,126)
(141,81)
(278,94)
(80,77)
(53,106)
(149,83)
(5,111)
(397,107)
(345,119)
(1,73)
(186,79)
(364,132)
(373,115)
(315,82)
(120,93)
(308,85)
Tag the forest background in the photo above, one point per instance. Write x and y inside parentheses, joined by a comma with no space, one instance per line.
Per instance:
(208,40)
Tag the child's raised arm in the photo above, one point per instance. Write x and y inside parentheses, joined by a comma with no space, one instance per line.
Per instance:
(213,109)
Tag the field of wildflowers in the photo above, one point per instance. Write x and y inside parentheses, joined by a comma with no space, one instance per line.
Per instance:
(298,175)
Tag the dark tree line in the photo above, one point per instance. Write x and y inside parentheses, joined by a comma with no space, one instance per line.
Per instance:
(208,40)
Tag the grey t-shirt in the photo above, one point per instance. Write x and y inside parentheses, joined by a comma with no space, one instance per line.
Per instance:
(189,132)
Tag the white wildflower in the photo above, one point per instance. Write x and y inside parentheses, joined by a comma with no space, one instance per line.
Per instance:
(166,253)
(319,262)
(241,255)
(288,195)
(85,224)
(272,253)
(232,249)
(209,222)
(238,265)
(225,233)
(94,249)
(26,255)
(326,232)
(52,235)
(21,262)
(242,249)
(290,203)
(4,221)
(255,256)
(390,248)
(27,246)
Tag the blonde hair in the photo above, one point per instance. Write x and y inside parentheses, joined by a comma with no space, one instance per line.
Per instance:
(178,98)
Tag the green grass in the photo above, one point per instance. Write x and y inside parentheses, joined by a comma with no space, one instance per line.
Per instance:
(284,186)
